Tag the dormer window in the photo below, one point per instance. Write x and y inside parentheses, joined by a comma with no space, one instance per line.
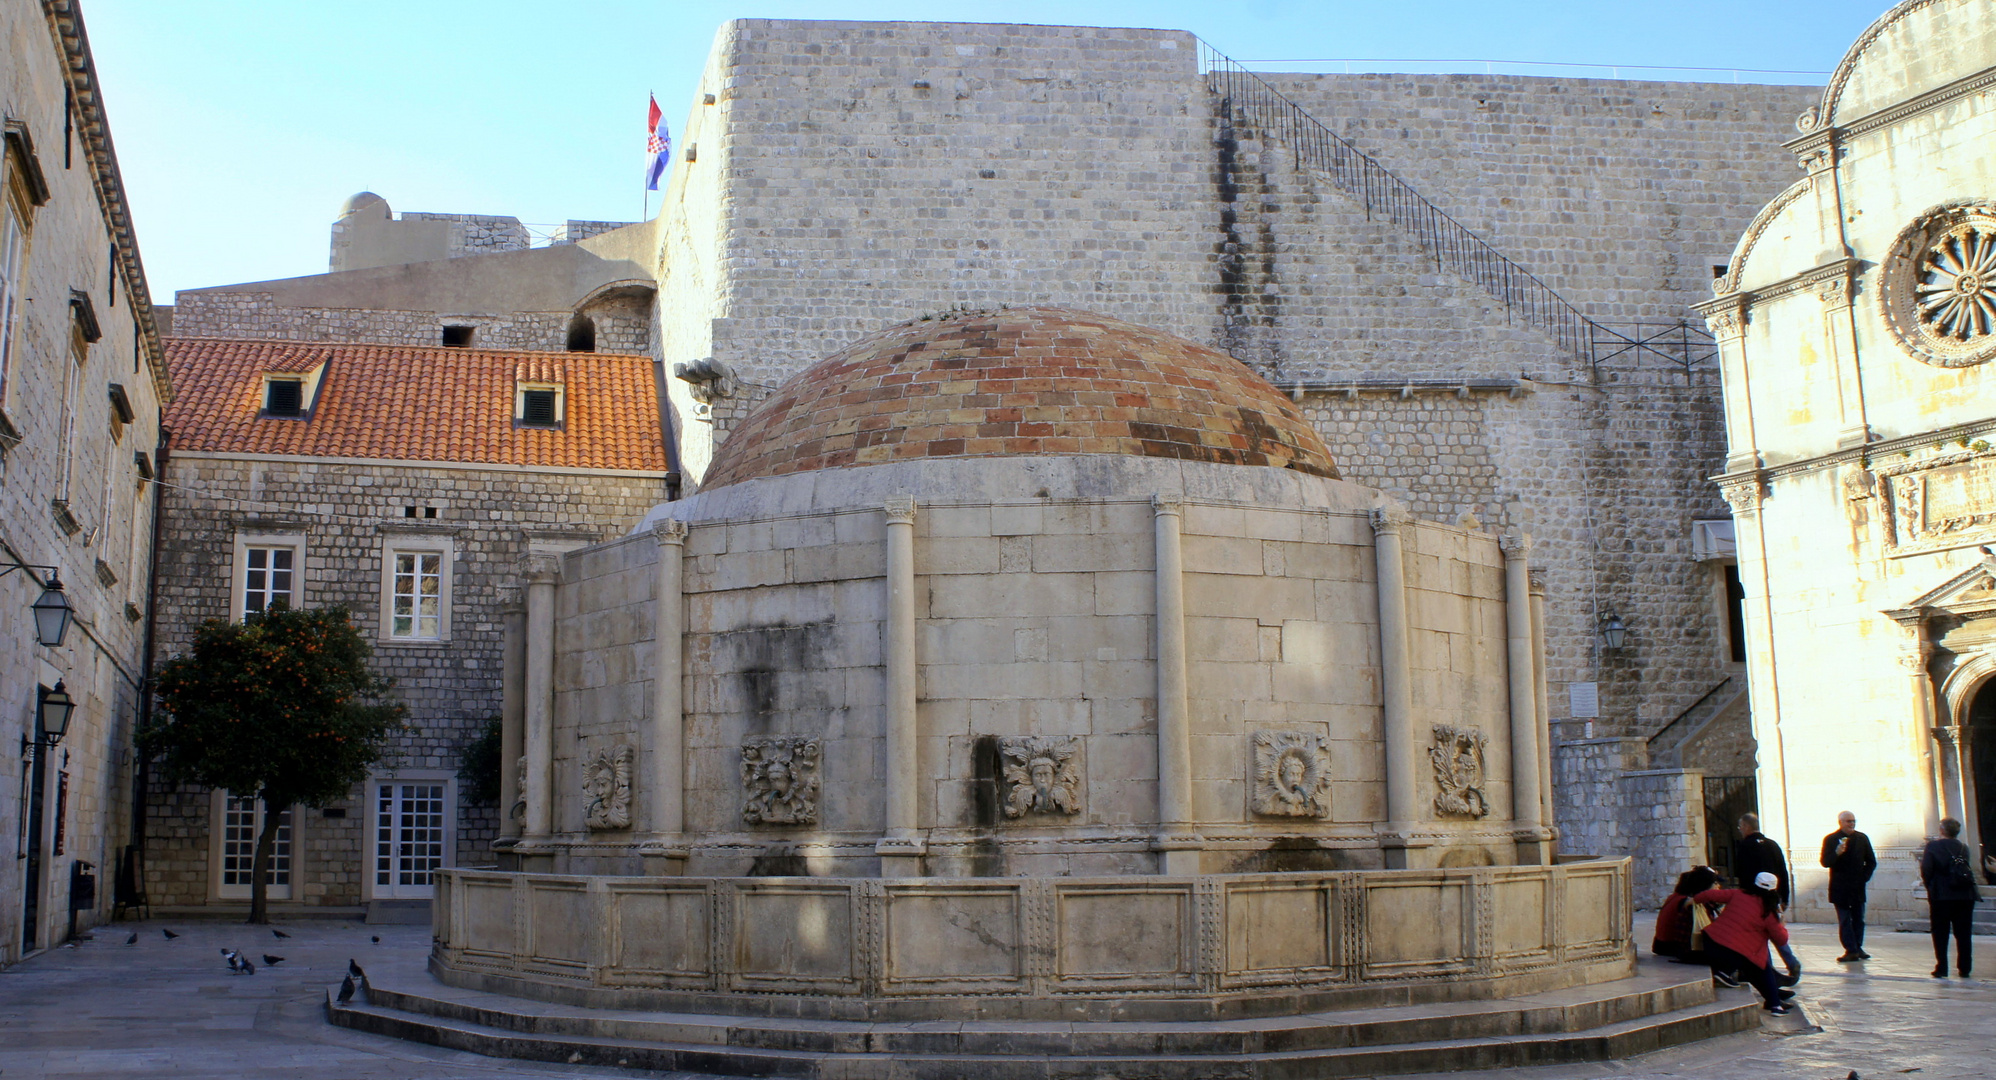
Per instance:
(540,406)
(284,397)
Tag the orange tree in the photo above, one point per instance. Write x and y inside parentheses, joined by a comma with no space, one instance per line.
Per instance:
(280,707)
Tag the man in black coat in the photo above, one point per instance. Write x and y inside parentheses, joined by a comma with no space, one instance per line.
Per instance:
(1951,895)
(1848,855)
(1757,854)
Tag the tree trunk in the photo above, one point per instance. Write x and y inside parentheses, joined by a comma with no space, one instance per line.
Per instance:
(266,843)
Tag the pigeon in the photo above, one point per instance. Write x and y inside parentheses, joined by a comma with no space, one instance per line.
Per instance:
(170,935)
(346,990)
(134,939)
(249,968)
(354,971)
(235,966)
(377,939)
(278,934)
(272,961)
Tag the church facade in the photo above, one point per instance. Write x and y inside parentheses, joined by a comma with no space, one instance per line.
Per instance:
(1857,319)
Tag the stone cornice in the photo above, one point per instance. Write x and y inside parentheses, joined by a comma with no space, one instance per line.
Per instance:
(80,72)
(1821,139)
(1863,455)
(1730,282)
(1845,270)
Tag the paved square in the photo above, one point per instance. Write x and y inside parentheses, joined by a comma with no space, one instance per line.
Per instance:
(163,1008)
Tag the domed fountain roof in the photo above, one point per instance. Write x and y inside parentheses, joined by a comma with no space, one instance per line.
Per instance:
(1023,381)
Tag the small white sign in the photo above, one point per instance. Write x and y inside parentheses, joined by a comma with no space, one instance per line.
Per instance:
(1583,700)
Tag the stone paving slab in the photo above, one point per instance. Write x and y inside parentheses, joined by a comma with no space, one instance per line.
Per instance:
(171,1009)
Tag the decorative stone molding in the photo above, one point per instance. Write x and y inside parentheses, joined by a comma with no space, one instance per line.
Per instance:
(1939,502)
(780,777)
(669,531)
(1391,519)
(1292,774)
(606,781)
(1743,493)
(1537,576)
(1457,756)
(543,569)
(1938,285)
(518,811)
(901,510)
(1515,547)
(1167,504)
(1040,774)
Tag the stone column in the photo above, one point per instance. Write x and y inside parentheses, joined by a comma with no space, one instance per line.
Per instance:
(512,709)
(1177,842)
(1927,767)
(901,849)
(1527,811)
(542,573)
(1840,325)
(1953,801)
(1728,318)
(1397,688)
(1550,819)
(667,778)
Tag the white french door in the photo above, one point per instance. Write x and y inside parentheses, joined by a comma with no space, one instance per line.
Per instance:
(240,822)
(411,836)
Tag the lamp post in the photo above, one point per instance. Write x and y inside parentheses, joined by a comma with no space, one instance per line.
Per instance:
(52,610)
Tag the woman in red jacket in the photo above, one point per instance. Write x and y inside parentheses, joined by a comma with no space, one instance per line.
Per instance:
(1739,938)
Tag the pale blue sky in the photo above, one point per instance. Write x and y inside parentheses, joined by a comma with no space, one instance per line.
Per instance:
(242,126)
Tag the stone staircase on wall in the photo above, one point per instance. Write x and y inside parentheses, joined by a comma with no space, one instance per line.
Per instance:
(1663,1005)
(1666,746)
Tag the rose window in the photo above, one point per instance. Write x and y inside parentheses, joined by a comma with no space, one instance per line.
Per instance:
(1939,286)
(1956,293)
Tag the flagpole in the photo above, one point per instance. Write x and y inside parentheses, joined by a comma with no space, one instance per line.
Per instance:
(644,214)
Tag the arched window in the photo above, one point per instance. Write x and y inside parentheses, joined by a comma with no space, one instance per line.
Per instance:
(581,333)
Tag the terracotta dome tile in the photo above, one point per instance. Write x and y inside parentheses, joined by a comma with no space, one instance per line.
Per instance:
(1016,383)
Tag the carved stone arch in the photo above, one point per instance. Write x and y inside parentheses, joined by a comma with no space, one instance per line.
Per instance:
(1962,684)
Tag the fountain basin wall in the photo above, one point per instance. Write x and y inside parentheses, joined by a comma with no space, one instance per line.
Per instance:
(1055,948)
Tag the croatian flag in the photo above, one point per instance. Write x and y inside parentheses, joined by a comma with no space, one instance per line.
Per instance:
(658,143)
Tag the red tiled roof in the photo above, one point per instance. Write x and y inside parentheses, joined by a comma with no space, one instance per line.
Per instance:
(417,403)
(1015,382)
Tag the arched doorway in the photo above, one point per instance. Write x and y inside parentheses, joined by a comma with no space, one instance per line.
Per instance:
(1980,722)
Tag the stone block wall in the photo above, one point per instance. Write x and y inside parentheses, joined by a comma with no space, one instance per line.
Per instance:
(1611,804)
(348,511)
(621,326)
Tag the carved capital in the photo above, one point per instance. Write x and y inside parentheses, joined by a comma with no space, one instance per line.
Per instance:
(1167,504)
(1389,519)
(1728,322)
(543,569)
(900,510)
(1743,493)
(512,600)
(1515,547)
(1834,292)
(1537,577)
(1946,736)
(669,531)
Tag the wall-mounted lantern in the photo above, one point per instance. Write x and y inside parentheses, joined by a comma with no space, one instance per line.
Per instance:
(1614,633)
(52,610)
(57,706)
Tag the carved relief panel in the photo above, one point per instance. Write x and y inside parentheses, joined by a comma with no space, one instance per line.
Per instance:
(1292,774)
(1039,774)
(780,779)
(1941,502)
(1457,756)
(606,787)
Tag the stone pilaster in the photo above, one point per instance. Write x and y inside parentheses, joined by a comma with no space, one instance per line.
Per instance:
(901,849)
(1397,686)
(512,709)
(1176,842)
(1527,804)
(543,571)
(666,751)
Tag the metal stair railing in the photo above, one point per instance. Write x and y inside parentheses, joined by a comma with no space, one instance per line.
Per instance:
(1245,97)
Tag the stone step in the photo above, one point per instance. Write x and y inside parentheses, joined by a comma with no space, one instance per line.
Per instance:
(1631,1016)
(399,912)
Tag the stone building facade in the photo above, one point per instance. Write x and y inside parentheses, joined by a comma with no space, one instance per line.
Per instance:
(1855,322)
(81,382)
(835,177)
(403,464)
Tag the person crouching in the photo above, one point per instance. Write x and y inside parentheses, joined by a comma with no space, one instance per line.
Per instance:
(1739,938)
(1677,921)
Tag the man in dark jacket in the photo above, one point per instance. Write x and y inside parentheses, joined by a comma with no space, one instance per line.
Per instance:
(1848,855)
(1951,897)
(1758,854)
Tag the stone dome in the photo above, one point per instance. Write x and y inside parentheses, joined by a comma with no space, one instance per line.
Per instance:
(364,200)
(1019,382)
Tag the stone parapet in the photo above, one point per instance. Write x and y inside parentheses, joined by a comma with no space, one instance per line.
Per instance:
(1159,946)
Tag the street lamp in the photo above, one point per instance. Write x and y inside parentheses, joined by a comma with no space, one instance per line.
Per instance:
(57,706)
(52,613)
(52,610)
(1614,634)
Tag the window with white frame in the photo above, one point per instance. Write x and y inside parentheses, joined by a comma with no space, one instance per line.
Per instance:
(269,570)
(13,267)
(415,588)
